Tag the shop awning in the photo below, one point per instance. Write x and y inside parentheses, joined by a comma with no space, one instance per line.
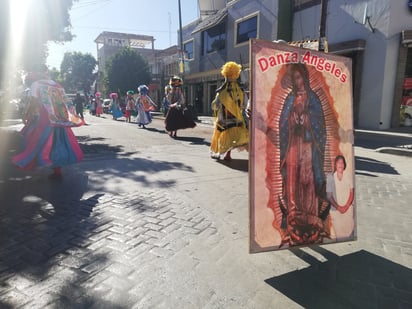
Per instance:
(347,47)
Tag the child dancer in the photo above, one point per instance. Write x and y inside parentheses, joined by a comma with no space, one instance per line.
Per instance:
(99,104)
(130,105)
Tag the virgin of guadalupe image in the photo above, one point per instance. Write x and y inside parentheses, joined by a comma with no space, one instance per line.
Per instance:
(307,135)
(302,147)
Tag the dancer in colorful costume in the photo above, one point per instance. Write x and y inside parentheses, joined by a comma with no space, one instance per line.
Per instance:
(231,124)
(48,138)
(178,116)
(144,105)
(115,106)
(130,105)
(99,104)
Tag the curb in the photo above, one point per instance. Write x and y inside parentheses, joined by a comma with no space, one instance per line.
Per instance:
(395,151)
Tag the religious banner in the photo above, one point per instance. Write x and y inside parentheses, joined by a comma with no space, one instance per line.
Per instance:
(302,172)
(60,108)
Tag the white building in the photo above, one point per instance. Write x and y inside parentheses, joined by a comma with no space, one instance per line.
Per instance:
(162,63)
(376,34)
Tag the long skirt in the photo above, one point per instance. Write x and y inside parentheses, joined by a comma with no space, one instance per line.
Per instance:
(116,112)
(225,140)
(143,118)
(177,119)
(46,145)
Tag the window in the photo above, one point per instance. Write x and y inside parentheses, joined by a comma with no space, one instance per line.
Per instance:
(188,49)
(214,39)
(246,29)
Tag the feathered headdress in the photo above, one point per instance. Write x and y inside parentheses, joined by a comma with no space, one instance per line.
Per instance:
(143,89)
(231,70)
(176,81)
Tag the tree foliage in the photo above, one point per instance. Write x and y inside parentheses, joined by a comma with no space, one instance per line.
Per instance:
(55,74)
(4,33)
(126,70)
(46,20)
(77,71)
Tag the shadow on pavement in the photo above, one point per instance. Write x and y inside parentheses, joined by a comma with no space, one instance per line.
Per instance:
(374,166)
(357,280)
(45,227)
(375,140)
(236,164)
(156,130)
(140,170)
(192,140)
(89,145)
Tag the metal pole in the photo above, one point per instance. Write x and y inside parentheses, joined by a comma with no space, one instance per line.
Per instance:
(181,39)
(322,29)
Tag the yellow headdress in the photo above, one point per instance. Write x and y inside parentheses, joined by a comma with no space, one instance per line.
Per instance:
(231,70)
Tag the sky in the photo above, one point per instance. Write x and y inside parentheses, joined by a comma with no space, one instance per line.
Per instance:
(158,18)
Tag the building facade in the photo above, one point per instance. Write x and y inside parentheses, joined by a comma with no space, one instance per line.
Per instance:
(162,63)
(375,34)
(222,34)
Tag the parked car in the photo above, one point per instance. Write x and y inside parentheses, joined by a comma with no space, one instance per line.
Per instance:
(406,111)
(106,106)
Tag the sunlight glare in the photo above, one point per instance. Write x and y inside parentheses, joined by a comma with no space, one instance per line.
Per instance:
(18,11)
(18,14)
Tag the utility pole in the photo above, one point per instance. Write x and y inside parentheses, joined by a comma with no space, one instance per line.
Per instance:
(170,28)
(182,53)
(323,42)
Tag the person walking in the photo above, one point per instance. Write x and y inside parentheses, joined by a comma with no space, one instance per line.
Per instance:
(230,120)
(179,116)
(92,105)
(99,104)
(115,106)
(130,105)
(144,105)
(78,102)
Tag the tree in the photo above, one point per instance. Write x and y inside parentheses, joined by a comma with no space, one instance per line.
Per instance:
(126,70)
(46,20)
(55,74)
(77,71)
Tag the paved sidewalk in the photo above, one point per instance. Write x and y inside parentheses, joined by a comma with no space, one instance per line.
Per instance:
(166,227)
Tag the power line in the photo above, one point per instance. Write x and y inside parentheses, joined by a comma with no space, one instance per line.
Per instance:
(84,4)
(119,29)
(101,5)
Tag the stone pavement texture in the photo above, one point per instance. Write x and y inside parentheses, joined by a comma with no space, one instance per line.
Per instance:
(157,224)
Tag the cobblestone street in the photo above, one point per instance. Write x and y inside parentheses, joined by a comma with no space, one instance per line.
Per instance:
(156,224)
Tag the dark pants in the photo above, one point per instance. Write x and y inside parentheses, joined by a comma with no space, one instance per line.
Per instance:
(79,111)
